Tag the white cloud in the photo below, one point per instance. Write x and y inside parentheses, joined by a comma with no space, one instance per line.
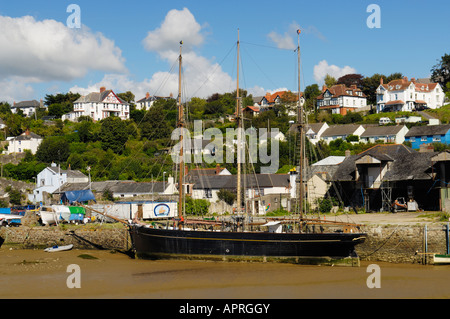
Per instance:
(15,90)
(286,40)
(48,50)
(201,76)
(322,69)
(178,25)
(282,41)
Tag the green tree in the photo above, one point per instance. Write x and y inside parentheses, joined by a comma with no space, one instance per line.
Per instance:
(113,134)
(154,124)
(15,196)
(440,72)
(53,149)
(197,107)
(227,196)
(329,80)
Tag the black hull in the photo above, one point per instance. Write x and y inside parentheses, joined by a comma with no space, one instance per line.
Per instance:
(291,247)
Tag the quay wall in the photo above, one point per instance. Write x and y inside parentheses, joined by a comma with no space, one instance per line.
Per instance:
(385,243)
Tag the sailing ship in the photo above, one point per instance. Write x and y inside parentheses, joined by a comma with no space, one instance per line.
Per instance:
(230,240)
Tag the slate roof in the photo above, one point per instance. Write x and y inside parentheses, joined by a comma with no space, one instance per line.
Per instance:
(340,130)
(97,97)
(118,187)
(382,130)
(250,181)
(428,130)
(70,173)
(25,104)
(406,164)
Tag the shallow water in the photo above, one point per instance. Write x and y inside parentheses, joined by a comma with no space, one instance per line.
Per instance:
(37,274)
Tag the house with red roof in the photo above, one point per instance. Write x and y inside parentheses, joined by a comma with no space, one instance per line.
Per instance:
(408,95)
(340,99)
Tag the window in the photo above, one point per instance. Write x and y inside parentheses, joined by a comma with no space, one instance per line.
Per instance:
(423,139)
(436,138)
(208,193)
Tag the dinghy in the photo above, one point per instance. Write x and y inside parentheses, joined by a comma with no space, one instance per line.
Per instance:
(58,248)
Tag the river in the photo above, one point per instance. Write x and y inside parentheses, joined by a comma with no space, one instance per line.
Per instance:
(35,274)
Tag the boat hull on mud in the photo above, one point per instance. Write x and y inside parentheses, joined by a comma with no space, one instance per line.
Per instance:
(310,248)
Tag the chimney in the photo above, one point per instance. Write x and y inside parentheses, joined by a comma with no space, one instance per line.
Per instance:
(102,89)
(27,132)
(405,79)
(147,95)
(186,170)
(413,80)
(41,104)
(381,81)
(218,169)
(347,153)
(324,88)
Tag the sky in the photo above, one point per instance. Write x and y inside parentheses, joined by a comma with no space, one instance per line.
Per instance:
(134,45)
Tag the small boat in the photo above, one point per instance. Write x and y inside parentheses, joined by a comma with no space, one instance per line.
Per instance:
(48,216)
(58,248)
(441,259)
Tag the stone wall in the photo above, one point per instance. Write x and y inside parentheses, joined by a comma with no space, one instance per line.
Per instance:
(402,243)
(84,237)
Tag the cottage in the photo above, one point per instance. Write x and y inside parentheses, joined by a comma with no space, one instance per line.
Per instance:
(385,134)
(342,131)
(318,179)
(26,141)
(419,135)
(405,95)
(125,189)
(271,99)
(51,179)
(265,192)
(98,106)
(340,99)
(28,108)
(147,102)
(314,131)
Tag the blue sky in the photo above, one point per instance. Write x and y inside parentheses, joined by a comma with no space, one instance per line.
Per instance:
(133,45)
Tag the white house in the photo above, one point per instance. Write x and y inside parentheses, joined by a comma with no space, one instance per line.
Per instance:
(147,102)
(405,95)
(386,134)
(270,99)
(26,141)
(342,131)
(98,106)
(314,131)
(340,99)
(257,185)
(277,135)
(50,179)
(27,107)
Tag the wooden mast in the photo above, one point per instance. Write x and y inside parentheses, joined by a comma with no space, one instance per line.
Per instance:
(300,129)
(239,138)
(180,126)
